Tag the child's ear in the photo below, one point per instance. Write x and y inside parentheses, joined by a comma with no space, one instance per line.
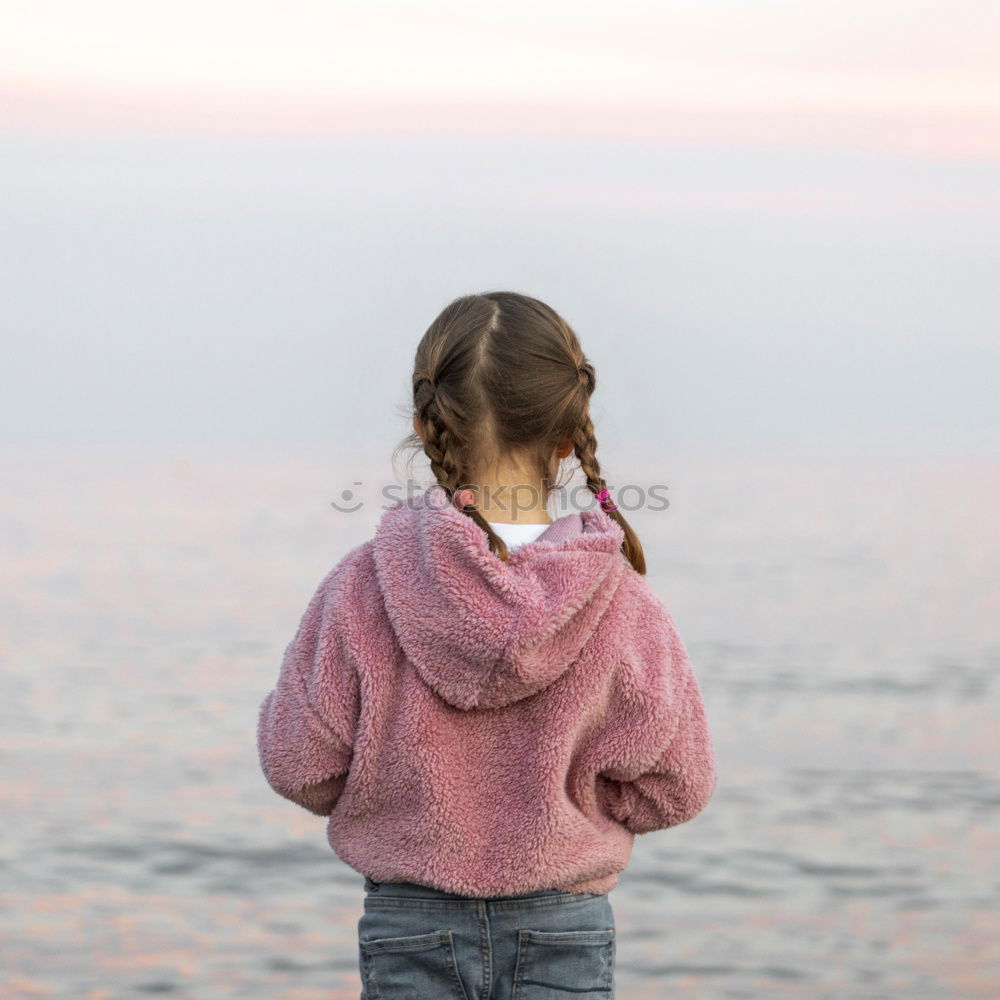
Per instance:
(418,428)
(565,448)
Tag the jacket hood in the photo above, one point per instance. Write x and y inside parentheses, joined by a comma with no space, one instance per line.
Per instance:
(483,633)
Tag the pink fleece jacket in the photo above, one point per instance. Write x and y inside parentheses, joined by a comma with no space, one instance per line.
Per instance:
(482,727)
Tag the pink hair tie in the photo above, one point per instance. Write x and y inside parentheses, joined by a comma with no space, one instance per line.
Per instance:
(464,498)
(605,497)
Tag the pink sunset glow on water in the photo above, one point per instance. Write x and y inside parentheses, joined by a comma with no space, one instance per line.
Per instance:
(846,642)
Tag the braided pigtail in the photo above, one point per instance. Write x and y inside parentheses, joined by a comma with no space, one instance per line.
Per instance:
(446,455)
(501,390)
(585,446)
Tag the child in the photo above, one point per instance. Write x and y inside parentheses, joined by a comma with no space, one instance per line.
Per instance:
(489,704)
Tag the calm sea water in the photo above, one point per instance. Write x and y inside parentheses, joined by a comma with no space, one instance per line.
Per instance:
(842,613)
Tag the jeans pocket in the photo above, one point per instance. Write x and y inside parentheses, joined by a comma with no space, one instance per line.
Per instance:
(552,963)
(417,965)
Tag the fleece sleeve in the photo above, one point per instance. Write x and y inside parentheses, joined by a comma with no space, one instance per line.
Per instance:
(658,762)
(306,724)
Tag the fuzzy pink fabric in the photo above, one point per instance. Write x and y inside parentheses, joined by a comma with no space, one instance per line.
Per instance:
(482,727)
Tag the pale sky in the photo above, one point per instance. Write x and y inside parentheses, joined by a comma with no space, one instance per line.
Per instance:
(895,54)
(232,221)
(912,66)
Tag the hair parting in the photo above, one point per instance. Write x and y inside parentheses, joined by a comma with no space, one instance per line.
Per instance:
(499,374)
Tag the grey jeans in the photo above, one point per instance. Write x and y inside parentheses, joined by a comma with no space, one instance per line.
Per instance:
(419,943)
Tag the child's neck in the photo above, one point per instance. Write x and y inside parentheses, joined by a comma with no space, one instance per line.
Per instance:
(510,497)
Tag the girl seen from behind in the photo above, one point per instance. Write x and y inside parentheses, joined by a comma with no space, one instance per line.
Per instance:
(489,704)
